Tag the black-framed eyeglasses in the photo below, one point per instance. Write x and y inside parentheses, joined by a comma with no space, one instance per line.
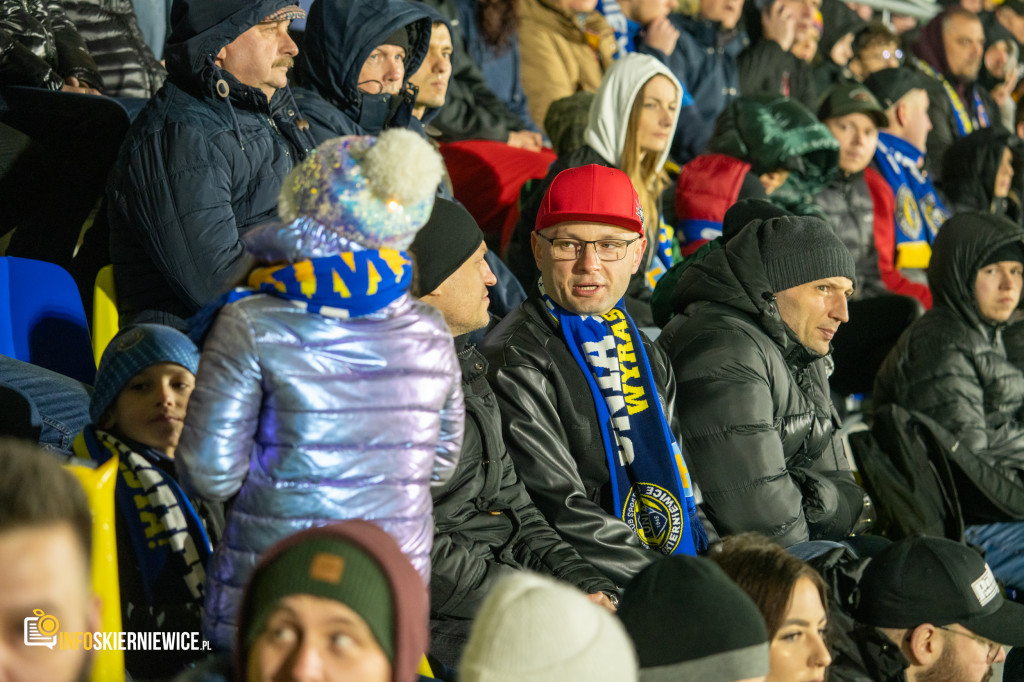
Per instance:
(993,648)
(572,249)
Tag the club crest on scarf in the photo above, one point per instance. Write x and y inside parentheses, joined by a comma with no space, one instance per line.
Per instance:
(650,483)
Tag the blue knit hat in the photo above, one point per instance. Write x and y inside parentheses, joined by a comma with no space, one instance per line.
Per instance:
(132,350)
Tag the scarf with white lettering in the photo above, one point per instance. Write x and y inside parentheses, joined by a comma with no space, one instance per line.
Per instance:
(650,483)
(170,544)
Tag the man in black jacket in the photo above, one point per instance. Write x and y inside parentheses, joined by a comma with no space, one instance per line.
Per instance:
(205,159)
(750,352)
(573,376)
(485,524)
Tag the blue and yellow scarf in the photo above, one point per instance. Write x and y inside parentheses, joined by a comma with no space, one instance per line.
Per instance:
(650,483)
(965,123)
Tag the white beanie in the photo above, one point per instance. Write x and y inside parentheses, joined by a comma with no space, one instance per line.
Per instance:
(534,628)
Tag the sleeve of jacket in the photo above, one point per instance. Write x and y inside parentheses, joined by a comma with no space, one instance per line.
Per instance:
(20,66)
(884,205)
(179,199)
(942,134)
(730,440)
(212,458)
(538,445)
(459,580)
(471,111)
(453,423)
(547,73)
(72,54)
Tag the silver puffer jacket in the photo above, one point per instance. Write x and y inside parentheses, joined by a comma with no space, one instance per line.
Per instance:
(304,419)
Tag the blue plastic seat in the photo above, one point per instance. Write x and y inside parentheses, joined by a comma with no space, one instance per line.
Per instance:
(42,320)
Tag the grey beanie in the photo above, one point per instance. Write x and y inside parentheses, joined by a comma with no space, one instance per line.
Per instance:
(800,249)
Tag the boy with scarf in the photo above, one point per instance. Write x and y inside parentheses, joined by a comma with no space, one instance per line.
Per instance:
(326,393)
(585,397)
(145,377)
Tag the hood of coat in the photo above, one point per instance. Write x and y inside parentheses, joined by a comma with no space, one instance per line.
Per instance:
(200,28)
(971,163)
(930,48)
(995,33)
(960,248)
(609,111)
(734,276)
(837,21)
(341,34)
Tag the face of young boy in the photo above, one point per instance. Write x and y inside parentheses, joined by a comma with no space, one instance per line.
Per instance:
(150,409)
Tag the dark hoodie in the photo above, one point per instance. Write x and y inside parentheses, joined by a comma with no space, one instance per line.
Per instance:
(969,173)
(838,21)
(201,165)
(340,35)
(951,365)
(980,108)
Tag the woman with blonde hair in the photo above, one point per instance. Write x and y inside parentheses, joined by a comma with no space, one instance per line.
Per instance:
(630,127)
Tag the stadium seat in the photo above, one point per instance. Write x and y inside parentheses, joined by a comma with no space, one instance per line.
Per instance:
(104,312)
(42,320)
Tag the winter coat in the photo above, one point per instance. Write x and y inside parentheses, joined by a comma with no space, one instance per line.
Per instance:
(951,365)
(860,208)
(704,60)
(501,68)
(472,111)
(766,69)
(558,57)
(981,110)
(112,34)
(340,35)
(303,419)
(40,46)
(605,138)
(551,430)
(969,173)
(485,524)
(757,425)
(196,171)
(873,657)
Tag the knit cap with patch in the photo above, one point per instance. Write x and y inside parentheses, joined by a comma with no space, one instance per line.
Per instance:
(689,621)
(534,628)
(801,249)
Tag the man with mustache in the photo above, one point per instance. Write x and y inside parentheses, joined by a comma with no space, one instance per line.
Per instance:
(750,351)
(205,159)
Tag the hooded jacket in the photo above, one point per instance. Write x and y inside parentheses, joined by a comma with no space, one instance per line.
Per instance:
(980,110)
(605,138)
(201,165)
(40,46)
(766,69)
(340,35)
(838,21)
(302,419)
(757,425)
(561,54)
(969,173)
(951,365)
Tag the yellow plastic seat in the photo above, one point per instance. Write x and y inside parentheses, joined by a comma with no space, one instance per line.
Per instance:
(104,311)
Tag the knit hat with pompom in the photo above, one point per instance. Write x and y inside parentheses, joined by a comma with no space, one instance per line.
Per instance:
(373,191)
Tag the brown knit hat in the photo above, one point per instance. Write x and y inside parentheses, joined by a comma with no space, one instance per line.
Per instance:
(355,563)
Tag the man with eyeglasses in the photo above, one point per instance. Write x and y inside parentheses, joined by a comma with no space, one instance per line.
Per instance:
(928,610)
(586,398)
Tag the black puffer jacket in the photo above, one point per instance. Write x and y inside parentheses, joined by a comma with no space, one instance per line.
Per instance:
(40,47)
(551,430)
(112,34)
(756,419)
(485,524)
(849,208)
(197,171)
(951,365)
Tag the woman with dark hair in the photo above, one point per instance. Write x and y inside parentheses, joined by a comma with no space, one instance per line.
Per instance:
(979,173)
(792,598)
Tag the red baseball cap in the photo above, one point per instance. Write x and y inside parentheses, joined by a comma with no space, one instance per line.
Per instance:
(592,194)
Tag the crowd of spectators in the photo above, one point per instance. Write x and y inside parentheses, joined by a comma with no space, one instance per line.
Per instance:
(496,340)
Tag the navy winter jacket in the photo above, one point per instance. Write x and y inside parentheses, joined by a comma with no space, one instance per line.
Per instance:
(202,164)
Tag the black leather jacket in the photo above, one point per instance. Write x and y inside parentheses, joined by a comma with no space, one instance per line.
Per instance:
(485,524)
(550,427)
(40,47)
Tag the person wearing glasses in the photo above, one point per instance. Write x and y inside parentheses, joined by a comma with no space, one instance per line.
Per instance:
(586,399)
(750,353)
(928,609)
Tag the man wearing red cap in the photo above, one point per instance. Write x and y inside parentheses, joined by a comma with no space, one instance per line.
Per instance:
(584,394)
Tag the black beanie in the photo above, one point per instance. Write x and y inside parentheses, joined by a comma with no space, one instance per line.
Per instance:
(801,249)
(441,246)
(400,38)
(744,212)
(1007,252)
(689,621)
